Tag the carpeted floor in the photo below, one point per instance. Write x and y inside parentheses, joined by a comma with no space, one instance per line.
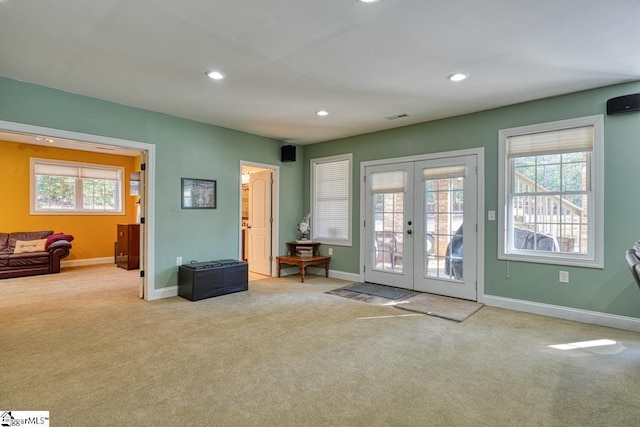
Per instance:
(82,345)
(439,306)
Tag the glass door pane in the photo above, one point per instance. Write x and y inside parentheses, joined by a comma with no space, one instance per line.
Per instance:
(443,218)
(388,211)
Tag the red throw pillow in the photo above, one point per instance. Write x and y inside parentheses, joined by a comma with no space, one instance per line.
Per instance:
(55,237)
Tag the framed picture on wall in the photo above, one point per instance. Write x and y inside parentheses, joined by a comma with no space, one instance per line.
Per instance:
(198,193)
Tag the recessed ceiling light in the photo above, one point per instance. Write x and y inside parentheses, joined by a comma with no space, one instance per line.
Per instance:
(322,113)
(215,75)
(368,1)
(458,77)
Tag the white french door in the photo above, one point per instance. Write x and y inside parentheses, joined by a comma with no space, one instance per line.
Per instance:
(420,225)
(389,224)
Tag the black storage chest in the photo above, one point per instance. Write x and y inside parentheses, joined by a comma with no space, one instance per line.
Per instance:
(208,279)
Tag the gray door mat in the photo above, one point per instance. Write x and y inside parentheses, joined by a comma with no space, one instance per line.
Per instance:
(379,290)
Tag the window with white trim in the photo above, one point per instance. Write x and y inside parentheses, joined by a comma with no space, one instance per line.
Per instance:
(331,198)
(552,193)
(69,187)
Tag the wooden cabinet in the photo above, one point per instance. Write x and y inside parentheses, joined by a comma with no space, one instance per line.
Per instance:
(128,246)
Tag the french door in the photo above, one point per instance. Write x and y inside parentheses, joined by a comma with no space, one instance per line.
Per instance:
(420,225)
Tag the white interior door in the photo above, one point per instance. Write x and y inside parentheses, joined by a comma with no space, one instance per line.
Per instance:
(260,222)
(413,227)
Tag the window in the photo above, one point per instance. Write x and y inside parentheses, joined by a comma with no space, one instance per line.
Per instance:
(551,192)
(331,199)
(69,187)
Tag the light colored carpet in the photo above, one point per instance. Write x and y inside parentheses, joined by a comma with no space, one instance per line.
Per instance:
(81,345)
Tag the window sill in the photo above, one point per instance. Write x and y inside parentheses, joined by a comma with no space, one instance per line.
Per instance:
(563,260)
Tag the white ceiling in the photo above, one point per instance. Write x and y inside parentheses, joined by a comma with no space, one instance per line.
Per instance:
(286,59)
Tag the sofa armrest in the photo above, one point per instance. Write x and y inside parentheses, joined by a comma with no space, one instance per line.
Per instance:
(58,250)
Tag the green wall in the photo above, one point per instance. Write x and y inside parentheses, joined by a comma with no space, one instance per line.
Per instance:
(608,290)
(189,149)
(183,149)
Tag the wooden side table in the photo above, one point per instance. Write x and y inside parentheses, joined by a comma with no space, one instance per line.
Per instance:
(303,262)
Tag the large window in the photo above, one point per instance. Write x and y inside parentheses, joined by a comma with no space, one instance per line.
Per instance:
(551,188)
(68,187)
(331,199)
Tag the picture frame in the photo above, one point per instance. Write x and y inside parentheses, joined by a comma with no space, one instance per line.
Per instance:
(198,193)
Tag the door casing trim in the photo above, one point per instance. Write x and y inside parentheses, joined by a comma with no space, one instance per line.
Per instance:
(148,261)
(275,206)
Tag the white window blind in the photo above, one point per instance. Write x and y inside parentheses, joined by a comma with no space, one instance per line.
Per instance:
(76,171)
(388,182)
(554,142)
(444,172)
(331,200)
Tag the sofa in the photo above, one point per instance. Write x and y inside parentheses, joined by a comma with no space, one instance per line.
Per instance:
(28,253)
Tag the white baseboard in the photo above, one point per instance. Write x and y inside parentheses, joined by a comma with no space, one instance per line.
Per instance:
(168,292)
(320,272)
(567,313)
(87,261)
(289,271)
(172,291)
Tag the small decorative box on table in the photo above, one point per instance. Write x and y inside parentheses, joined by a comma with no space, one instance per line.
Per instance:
(208,279)
(304,254)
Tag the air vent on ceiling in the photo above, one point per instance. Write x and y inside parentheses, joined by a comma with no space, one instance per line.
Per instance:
(97,147)
(397,116)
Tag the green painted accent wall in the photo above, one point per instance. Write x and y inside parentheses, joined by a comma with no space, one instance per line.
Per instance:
(609,290)
(190,149)
(184,148)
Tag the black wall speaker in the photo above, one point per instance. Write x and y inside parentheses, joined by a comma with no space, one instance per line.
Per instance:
(288,153)
(622,104)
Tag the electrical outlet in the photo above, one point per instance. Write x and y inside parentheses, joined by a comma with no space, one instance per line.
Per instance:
(563,277)
(492,215)
(179,260)
(330,251)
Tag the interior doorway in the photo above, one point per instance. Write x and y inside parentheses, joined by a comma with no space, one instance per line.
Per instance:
(258,218)
(19,132)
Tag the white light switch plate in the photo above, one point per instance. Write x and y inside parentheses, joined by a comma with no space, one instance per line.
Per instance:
(492,215)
